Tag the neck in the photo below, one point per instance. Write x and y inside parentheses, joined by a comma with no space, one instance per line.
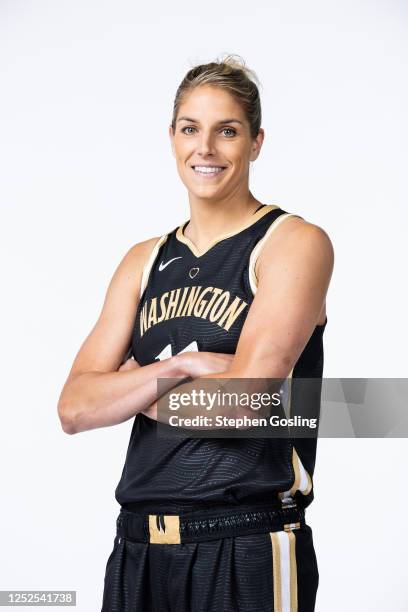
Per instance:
(209,219)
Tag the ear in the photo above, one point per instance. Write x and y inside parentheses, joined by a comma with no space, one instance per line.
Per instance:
(171,135)
(257,145)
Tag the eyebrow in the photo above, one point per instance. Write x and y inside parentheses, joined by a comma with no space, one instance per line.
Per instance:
(218,122)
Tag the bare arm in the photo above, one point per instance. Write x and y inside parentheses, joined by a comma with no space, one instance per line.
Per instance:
(294,272)
(95,393)
(109,398)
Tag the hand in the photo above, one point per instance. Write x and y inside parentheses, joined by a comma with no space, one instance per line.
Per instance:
(200,363)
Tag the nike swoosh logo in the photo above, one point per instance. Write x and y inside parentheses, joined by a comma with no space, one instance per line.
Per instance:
(164,265)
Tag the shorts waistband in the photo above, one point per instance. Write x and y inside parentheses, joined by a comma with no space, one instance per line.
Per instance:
(179,529)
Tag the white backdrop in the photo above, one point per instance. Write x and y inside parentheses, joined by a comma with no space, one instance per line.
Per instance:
(86,171)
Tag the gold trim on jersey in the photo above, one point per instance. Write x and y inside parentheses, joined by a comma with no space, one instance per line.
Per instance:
(302,481)
(198,253)
(253,280)
(149,264)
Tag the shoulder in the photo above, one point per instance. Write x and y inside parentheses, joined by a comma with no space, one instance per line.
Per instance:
(297,240)
(142,250)
(293,227)
(130,268)
(300,234)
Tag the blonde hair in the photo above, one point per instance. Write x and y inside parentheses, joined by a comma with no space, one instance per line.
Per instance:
(232,75)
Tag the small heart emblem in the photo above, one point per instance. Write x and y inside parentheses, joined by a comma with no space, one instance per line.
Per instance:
(193,272)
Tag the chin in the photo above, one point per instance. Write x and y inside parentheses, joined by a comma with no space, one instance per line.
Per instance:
(203,193)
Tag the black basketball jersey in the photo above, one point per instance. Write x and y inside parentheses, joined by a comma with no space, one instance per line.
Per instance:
(199,301)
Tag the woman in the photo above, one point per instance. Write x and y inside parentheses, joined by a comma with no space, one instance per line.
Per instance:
(238,291)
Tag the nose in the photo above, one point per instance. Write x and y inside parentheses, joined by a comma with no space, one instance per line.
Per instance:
(206,144)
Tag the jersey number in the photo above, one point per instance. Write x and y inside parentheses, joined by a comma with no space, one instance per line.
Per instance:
(166,352)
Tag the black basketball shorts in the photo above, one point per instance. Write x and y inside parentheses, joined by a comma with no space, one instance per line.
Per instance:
(258,560)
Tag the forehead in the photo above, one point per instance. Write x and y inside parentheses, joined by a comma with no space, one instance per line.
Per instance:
(211,103)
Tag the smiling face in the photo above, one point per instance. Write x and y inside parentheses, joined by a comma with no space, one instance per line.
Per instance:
(212,144)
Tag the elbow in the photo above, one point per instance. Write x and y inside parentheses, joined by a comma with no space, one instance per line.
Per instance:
(67,418)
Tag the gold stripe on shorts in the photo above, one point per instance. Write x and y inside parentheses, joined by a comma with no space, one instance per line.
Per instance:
(285,596)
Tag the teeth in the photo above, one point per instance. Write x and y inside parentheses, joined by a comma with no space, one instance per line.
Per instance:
(208,170)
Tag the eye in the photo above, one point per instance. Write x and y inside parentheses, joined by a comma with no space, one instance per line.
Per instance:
(188,127)
(228,129)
